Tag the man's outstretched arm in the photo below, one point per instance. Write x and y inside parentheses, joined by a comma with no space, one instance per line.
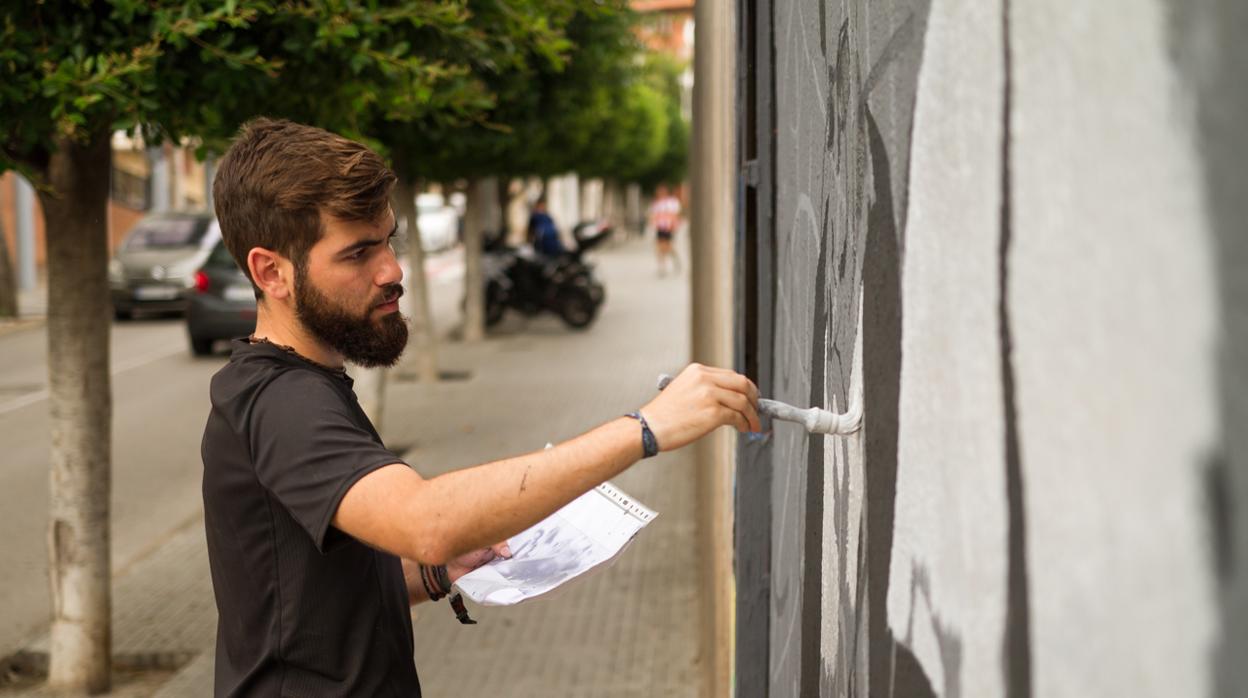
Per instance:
(434,520)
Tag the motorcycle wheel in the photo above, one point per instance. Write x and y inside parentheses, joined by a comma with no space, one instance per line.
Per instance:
(577,308)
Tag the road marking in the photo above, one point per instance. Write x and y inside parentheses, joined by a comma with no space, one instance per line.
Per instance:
(121,367)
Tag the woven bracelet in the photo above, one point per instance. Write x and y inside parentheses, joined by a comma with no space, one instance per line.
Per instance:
(443,578)
(429,580)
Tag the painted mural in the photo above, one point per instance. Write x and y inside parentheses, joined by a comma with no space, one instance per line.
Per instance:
(990,221)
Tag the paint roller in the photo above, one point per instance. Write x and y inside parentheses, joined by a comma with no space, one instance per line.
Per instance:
(816,420)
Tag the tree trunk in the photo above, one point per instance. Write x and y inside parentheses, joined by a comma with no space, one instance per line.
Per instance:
(424,348)
(614,210)
(479,210)
(8,279)
(634,213)
(81,403)
(591,195)
(177,176)
(503,189)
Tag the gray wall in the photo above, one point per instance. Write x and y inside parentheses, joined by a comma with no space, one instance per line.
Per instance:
(1018,231)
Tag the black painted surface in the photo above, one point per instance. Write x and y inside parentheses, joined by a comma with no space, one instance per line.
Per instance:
(752,500)
(1017,641)
(841,167)
(754,304)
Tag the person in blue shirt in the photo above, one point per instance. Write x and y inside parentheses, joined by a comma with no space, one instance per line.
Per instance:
(543,234)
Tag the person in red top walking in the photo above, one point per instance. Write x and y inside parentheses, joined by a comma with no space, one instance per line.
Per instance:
(665,218)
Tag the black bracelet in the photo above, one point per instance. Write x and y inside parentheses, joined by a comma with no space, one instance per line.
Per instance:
(649,444)
(427,578)
(443,578)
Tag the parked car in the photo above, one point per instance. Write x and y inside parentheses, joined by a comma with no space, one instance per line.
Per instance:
(439,222)
(222,302)
(154,269)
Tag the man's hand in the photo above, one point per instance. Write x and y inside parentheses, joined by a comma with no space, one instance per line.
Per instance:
(470,561)
(697,402)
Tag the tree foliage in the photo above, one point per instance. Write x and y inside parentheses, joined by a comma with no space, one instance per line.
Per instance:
(73,68)
(74,71)
(670,168)
(511,39)
(571,100)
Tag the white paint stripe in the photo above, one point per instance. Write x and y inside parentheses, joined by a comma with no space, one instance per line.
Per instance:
(23,401)
(39,396)
(146,359)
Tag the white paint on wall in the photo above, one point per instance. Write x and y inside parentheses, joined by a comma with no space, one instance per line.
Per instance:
(947,592)
(844,485)
(1111,305)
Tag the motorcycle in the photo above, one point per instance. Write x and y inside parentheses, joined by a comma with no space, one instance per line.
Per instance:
(525,281)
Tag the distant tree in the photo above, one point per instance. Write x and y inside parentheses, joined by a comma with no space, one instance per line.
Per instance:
(71,73)
(634,135)
(568,102)
(663,74)
(499,42)
(551,71)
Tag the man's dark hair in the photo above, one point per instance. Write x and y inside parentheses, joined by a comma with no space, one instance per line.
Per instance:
(277,179)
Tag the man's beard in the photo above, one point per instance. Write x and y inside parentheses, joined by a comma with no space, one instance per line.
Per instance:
(359,338)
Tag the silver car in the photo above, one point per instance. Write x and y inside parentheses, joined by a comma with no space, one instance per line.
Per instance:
(154,269)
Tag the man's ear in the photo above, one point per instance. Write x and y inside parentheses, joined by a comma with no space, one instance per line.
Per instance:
(272,272)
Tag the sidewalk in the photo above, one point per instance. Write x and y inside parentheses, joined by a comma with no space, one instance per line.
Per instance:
(628,630)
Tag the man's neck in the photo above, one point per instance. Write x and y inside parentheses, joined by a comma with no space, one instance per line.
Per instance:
(284,329)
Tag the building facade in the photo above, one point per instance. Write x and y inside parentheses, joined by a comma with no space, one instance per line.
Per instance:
(142,180)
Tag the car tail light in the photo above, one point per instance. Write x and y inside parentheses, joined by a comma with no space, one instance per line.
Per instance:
(201,282)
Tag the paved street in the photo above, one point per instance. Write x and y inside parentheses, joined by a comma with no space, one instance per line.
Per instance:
(628,630)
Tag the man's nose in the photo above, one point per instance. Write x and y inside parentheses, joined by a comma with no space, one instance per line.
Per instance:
(390,272)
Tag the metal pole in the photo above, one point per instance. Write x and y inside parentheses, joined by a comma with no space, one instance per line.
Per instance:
(712,173)
(25,210)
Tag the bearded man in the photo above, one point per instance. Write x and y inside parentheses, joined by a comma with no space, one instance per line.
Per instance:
(320,538)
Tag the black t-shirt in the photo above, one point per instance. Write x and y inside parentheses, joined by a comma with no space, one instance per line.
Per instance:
(305,610)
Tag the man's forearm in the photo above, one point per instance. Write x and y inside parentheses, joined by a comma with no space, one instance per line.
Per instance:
(480,506)
(434,520)
(488,503)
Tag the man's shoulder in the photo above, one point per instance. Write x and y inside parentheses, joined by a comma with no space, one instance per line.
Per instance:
(253,377)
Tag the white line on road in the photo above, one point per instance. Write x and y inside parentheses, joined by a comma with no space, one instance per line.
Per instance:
(120,367)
